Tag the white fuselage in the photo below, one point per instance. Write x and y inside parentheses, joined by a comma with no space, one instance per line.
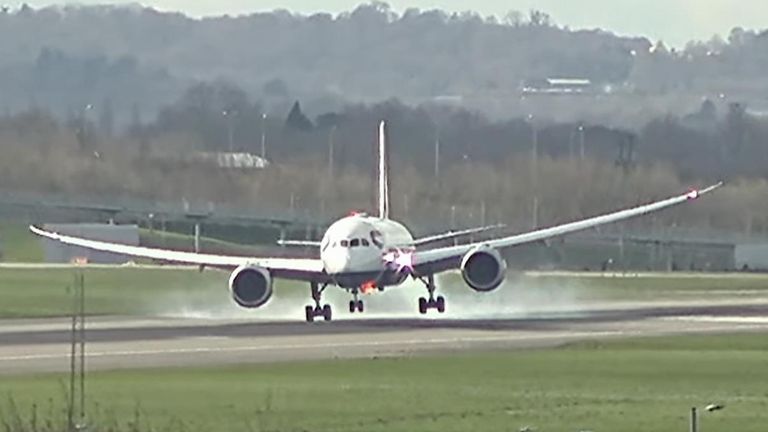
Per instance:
(353,251)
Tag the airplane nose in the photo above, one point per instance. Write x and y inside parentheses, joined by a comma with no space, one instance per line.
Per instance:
(339,263)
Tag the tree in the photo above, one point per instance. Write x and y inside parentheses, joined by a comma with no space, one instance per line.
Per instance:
(297,120)
(539,18)
(514,18)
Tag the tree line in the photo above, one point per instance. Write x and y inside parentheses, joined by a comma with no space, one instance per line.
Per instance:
(450,166)
(133,56)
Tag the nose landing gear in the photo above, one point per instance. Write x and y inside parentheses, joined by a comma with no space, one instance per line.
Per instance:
(317,310)
(432,302)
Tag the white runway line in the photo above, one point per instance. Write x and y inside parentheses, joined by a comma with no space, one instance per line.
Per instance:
(721,319)
(634,275)
(322,346)
(420,343)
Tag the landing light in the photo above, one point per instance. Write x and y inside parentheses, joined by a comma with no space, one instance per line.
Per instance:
(368,287)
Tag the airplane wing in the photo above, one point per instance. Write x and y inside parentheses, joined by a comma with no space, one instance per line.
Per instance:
(447,258)
(299,243)
(286,268)
(450,235)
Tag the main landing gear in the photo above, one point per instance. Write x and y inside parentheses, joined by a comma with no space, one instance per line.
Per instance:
(356,305)
(437,303)
(313,312)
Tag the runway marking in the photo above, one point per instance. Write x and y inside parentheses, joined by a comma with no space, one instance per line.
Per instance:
(389,343)
(721,319)
(337,345)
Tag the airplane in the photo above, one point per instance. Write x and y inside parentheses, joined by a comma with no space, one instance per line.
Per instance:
(361,253)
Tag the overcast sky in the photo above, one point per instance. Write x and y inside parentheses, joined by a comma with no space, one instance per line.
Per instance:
(673,21)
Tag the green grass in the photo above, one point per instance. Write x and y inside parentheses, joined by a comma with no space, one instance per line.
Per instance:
(635,385)
(139,291)
(18,244)
(42,293)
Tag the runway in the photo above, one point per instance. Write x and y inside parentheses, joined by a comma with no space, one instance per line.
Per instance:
(31,346)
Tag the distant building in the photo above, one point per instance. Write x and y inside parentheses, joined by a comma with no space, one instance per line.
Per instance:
(55,252)
(244,161)
(752,257)
(558,86)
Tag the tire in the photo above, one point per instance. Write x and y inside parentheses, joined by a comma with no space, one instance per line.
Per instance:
(360,306)
(440,304)
(310,313)
(422,305)
(352,306)
(327,313)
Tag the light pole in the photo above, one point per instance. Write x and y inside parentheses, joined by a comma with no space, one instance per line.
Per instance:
(264,136)
(437,152)
(534,169)
(694,424)
(229,116)
(534,146)
(581,142)
(83,138)
(331,150)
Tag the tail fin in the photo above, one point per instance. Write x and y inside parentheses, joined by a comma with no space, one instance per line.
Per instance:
(383,172)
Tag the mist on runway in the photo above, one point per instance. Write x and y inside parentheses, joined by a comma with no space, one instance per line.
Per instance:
(522,298)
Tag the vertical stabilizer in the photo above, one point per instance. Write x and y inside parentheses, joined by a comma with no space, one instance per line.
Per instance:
(383,172)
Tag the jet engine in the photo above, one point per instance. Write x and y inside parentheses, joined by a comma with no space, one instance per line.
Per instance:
(251,286)
(483,269)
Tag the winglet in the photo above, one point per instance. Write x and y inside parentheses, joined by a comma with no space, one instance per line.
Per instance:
(696,193)
(42,233)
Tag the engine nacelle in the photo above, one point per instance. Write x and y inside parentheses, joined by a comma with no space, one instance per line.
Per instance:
(250,286)
(483,269)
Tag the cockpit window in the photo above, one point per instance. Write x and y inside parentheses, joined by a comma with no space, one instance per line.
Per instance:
(354,243)
(376,239)
(365,242)
(345,243)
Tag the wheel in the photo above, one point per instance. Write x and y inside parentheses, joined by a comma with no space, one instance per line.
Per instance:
(352,306)
(440,304)
(327,314)
(422,305)
(310,313)
(360,306)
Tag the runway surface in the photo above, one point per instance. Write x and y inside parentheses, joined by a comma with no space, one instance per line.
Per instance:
(28,346)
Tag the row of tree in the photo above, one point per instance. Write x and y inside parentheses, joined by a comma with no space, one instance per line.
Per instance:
(448,164)
(713,142)
(75,55)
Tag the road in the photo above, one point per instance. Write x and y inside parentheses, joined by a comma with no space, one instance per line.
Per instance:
(28,346)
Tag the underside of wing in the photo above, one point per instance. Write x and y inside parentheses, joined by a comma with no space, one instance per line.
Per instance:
(446,258)
(289,268)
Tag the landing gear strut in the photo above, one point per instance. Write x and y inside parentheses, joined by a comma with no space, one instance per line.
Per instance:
(437,303)
(356,305)
(317,310)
